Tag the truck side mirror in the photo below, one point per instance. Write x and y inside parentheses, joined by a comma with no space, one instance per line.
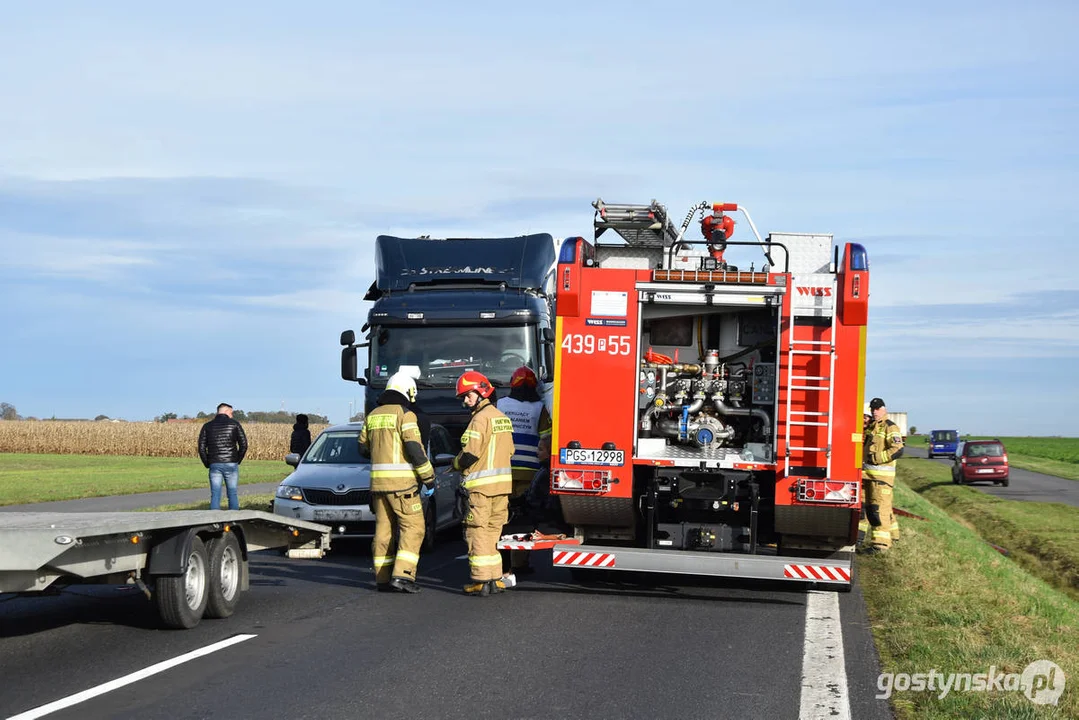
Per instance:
(348,337)
(349,370)
(548,334)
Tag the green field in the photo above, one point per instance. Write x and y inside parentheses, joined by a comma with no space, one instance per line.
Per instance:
(26,478)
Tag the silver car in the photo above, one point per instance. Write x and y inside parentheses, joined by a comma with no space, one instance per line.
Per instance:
(331,484)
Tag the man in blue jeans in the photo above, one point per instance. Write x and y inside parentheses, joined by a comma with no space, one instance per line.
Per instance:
(222,446)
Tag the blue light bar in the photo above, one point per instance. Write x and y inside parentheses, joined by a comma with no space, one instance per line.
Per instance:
(858,258)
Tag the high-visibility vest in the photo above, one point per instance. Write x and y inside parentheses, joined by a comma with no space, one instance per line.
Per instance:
(385,431)
(526,431)
(882,438)
(489,438)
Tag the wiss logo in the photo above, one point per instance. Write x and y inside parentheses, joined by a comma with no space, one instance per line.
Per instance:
(815,291)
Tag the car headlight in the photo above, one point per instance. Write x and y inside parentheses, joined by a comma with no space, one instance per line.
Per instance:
(289,492)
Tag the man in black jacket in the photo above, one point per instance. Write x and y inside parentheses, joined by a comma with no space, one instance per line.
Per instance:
(222,446)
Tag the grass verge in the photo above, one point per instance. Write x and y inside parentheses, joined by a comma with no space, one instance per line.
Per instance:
(260,501)
(29,478)
(1042,537)
(1046,466)
(945,600)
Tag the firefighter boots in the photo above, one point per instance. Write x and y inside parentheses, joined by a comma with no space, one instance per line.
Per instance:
(404,585)
(478,588)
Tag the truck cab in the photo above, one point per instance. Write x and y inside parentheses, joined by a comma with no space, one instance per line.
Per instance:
(941,442)
(445,306)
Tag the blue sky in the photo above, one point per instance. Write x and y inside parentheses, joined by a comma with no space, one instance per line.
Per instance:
(189,197)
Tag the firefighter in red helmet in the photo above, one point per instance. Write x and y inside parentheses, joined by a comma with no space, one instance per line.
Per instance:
(485,462)
(531,441)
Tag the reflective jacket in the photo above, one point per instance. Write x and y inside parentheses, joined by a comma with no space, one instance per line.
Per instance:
(392,436)
(531,424)
(883,444)
(486,452)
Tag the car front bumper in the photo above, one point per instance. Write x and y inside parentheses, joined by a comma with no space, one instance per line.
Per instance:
(344,520)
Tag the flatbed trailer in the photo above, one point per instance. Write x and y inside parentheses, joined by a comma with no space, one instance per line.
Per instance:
(190,563)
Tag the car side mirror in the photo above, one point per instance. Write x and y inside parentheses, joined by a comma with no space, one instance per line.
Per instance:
(443,459)
(292,459)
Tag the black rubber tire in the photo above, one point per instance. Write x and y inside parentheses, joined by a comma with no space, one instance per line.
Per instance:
(929,456)
(1004,482)
(226,569)
(181,599)
(429,519)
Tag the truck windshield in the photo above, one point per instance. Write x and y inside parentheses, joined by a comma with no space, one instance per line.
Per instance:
(444,352)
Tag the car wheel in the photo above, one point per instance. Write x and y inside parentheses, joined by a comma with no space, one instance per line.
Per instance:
(430,521)
(929,455)
(1004,482)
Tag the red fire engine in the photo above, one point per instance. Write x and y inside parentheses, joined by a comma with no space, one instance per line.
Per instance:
(708,418)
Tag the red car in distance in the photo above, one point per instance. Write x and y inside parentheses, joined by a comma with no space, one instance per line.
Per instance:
(981,460)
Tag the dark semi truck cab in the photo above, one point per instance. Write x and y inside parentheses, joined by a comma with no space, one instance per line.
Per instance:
(449,305)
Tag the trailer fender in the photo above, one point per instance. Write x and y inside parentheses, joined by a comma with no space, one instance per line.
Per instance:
(169,554)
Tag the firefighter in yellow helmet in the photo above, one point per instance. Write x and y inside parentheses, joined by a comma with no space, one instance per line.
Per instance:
(487,481)
(882,445)
(399,466)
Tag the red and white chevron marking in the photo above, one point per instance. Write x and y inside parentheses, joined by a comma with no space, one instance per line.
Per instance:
(827,573)
(516,546)
(583,559)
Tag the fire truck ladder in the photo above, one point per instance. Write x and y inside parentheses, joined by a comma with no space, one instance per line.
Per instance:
(811,384)
(639,225)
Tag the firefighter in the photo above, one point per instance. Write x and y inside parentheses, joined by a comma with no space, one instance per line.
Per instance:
(485,463)
(883,445)
(531,442)
(391,438)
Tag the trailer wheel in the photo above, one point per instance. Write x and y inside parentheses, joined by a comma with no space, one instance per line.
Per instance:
(226,567)
(181,599)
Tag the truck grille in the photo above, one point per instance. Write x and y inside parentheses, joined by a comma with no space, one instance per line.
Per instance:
(320,496)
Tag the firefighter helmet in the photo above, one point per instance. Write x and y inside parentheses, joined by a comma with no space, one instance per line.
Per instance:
(524,377)
(472,380)
(403,383)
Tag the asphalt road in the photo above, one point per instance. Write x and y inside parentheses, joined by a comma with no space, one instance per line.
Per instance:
(326,645)
(1022,484)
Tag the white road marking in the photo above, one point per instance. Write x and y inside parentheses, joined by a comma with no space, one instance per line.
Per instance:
(127,679)
(824,672)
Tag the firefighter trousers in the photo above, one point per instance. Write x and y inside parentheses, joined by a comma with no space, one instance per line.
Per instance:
(878,508)
(399,531)
(483,527)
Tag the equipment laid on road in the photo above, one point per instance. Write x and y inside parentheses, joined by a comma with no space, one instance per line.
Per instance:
(708,418)
(191,563)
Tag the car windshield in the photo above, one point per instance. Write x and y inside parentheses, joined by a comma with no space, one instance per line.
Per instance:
(944,436)
(985,450)
(337,448)
(444,352)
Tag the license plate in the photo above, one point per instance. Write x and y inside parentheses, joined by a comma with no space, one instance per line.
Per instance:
(342,515)
(583,456)
(986,470)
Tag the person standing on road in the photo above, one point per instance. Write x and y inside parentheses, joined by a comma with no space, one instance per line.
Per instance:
(301,436)
(531,443)
(400,472)
(222,446)
(485,462)
(882,445)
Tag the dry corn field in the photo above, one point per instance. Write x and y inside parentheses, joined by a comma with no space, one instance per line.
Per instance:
(266,441)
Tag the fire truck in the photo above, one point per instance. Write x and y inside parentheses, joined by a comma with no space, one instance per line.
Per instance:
(708,417)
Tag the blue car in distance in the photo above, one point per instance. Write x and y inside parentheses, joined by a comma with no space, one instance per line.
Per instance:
(942,442)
